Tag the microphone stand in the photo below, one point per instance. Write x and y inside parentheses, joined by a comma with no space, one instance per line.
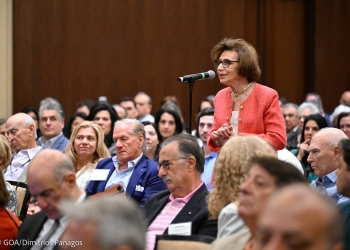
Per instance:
(190,88)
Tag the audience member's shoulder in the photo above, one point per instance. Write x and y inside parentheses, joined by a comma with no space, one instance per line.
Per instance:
(104,161)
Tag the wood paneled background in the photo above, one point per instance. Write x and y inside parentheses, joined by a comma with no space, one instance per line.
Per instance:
(77,49)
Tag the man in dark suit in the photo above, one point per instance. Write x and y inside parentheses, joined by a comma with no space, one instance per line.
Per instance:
(130,167)
(183,208)
(51,123)
(51,179)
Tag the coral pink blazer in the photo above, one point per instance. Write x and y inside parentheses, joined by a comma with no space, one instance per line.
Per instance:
(259,114)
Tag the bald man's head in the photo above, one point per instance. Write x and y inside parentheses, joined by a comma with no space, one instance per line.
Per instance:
(51,178)
(298,217)
(21,132)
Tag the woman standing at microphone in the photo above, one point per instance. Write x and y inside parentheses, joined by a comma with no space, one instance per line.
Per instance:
(244,107)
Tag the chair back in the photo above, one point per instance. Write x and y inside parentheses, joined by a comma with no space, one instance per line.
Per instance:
(175,242)
(23,197)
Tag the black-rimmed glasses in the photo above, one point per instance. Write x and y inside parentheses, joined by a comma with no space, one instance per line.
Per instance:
(226,63)
(166,163)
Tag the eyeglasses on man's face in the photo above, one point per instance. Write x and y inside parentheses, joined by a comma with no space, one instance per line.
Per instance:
(226,63)
(167,163)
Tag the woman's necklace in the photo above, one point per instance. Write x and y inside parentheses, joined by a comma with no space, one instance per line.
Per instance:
(239,93)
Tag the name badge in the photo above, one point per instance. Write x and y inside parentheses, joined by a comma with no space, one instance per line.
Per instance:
(99,175)
(180,228)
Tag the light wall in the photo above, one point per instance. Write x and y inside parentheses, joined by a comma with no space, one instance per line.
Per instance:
(5,58)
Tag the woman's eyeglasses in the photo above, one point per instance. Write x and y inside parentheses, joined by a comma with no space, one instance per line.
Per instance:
(226,63)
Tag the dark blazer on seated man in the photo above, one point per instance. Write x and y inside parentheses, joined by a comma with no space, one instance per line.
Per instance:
(51,185)
(183,208)
(143,182)
(195,211)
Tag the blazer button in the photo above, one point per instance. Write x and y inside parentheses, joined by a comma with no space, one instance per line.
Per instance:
(241,107)
(226,118)
(240,119)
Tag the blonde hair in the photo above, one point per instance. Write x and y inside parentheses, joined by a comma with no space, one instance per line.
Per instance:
(5,152)
(232,164)
(101,149)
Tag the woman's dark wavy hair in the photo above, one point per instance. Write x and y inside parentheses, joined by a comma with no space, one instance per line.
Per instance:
(321,123)
(178,123)
(319,119)
(146,123)
(67,131)
(99,106)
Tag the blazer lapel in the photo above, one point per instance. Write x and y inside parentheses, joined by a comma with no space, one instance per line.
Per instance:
(157,207)
(139,170)
(191,208)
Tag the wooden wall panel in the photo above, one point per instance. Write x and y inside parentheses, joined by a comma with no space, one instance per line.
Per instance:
(72,50)
(332,50)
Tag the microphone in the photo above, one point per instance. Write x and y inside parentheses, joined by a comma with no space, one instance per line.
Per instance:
(200,76)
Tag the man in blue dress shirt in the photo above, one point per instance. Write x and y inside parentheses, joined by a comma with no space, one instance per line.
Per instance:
(130,167)
(324,159)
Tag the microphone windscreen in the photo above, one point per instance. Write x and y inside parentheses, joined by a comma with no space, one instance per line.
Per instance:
(211,74)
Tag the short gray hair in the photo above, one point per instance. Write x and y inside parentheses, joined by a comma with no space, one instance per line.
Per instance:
(27,120)
(51,104)
(136,128)
(308,105)
(119,221)
(188,146)
(290,105)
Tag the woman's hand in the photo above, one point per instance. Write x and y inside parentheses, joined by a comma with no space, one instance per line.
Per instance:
(303,148)
(222,134)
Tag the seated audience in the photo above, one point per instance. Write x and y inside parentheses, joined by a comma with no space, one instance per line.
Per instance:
(49,186)
(316,99)
(51,124)
(144,107)
(85,106)
(121,111)
(86,148)
(288,222)
(305,109)
(20,132)
(231,168)
(3,126)
(153,140)
(130,167)
(343,187)
(312,124)
(290,115)
(339,109)
(205,121)
(33,113)
(74,120)
(168,122)
(265,177)
(9,223)
(343,122)
(130,105)
(324,160)
(5,158)
(108,223)
(105,116)
(207,102)
(181,163)
(345,98)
